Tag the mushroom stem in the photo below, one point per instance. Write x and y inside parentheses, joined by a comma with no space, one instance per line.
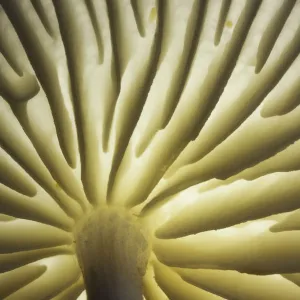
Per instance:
(113,251)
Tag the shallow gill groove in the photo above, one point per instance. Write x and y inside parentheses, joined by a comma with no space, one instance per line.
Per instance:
(128,125)
(45,68)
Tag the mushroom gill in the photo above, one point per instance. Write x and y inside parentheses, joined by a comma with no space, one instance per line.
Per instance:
(150,149)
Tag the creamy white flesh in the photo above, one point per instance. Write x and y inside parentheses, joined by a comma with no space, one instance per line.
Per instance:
(189,109)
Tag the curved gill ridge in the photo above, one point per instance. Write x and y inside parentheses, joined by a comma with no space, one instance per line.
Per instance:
(185,113)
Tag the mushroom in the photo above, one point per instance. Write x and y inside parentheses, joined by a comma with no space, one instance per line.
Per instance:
(150,149)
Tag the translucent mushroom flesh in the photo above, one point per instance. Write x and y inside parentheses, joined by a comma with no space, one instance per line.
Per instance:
(151,148)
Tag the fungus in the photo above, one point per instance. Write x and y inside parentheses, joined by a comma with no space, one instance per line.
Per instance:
(150,149)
